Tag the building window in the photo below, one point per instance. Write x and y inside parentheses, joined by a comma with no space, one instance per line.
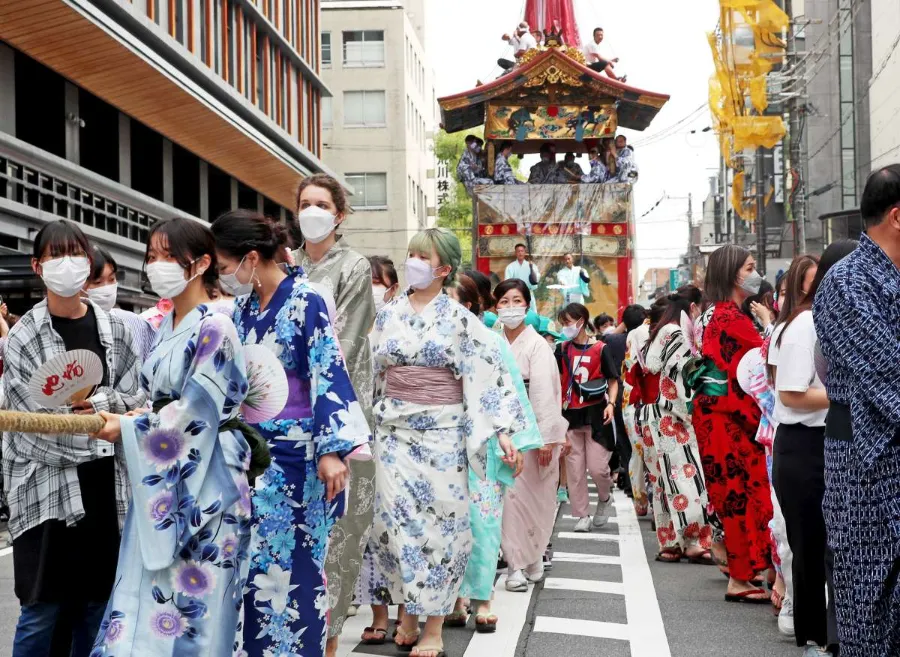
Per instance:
(327,112)
(326,48)
(364,48)
(364,109)
(371,190)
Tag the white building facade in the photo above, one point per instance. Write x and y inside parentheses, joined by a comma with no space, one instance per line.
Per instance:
(884,101)
(378,127)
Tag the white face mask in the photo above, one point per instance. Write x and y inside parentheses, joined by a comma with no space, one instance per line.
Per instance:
(419,273)
(378,294)
(315,223)
(104,296)
(67,275)
(511,317)
(608,330)
(571,332)
(167,278)
(233,285)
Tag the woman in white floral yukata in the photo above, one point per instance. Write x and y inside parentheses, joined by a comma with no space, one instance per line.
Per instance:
(300,496)
(442,392)
(183,558)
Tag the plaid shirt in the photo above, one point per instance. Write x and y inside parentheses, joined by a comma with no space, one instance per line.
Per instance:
(40,473)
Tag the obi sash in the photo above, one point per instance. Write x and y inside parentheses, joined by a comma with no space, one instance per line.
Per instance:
(427,386)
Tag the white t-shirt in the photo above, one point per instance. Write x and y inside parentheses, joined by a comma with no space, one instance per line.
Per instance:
(522,43)
(796,371)
(593,50)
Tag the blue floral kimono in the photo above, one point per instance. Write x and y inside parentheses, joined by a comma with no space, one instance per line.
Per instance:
(287,602)
(183,559)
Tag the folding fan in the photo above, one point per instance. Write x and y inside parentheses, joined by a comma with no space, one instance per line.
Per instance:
(267,385)
(66,379)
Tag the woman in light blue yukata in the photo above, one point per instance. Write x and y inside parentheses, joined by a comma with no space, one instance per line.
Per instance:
(300,496)
(183,558)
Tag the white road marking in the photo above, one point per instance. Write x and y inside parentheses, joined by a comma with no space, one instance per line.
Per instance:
(5,551)
(512,611)
(575,627)
(575,557)
(645,624)
(589,536)
(585,585)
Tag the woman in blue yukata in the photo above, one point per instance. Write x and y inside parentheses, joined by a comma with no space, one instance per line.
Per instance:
(183,558)
(300,496)
(442,392)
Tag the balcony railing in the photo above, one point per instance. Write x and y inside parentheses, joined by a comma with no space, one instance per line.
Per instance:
(42,181)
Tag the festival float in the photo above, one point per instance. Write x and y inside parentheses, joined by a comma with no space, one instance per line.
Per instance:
(552,96)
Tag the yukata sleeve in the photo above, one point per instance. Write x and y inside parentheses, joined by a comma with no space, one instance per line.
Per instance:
(354,315)
(544,392)
(676,354)
(492,406)
(530,437)
(339,423)
(125,393)
(170,454)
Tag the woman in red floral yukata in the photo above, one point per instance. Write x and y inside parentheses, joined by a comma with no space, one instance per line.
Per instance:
(726,420)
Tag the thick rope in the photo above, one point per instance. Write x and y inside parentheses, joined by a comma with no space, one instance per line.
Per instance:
(53,424)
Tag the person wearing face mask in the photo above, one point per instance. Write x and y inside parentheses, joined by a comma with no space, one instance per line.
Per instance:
(442,393)
(184,554)
(330,263)
(726,421)
(530,507)
(585,360)
(598,173)
(384,281)
(67,494)
(281,311)
(669,444)
(102,289)
(470,171)
(486,496)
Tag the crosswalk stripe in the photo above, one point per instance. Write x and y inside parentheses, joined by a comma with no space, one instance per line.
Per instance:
(575,627)
(512,610)
(5,551)
(585,585)
(589,536)
(576,557)
(648,634)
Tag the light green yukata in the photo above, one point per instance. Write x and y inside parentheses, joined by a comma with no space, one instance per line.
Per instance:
(486,495)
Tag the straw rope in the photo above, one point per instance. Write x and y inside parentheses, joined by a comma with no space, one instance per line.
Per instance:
(44,423)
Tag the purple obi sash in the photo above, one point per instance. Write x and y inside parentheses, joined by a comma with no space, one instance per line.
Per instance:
(428,386)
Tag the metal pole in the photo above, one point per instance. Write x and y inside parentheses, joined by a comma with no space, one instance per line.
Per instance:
(797,106)
(760,214)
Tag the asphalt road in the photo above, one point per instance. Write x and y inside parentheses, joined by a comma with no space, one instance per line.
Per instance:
(605,596)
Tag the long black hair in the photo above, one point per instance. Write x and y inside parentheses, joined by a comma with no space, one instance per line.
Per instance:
(484,288)
(765,296)
(677,302)
(722,272)
(239,232)
(186,240)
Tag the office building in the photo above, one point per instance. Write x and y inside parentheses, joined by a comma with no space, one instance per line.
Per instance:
(117,113)
(378,128)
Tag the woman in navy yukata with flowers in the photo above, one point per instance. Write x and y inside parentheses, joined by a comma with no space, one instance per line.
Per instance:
(183,558)
(300,496)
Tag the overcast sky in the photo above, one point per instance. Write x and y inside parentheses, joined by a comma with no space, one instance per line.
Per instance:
(662,46)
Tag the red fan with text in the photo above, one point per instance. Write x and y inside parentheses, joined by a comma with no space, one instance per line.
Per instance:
(66,379)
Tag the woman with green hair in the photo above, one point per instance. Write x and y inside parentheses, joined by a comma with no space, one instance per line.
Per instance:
(442,391)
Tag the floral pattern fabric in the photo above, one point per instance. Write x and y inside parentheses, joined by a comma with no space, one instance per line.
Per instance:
(183,558)
(421,539)
(286,597)
(670,448)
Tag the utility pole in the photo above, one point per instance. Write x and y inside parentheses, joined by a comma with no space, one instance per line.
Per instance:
(760,213)
(796,110)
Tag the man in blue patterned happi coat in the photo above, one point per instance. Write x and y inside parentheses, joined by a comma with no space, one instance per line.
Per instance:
(857,319)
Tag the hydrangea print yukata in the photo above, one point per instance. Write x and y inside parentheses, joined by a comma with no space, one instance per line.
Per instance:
(286,599)
(183,558)
(421,539)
